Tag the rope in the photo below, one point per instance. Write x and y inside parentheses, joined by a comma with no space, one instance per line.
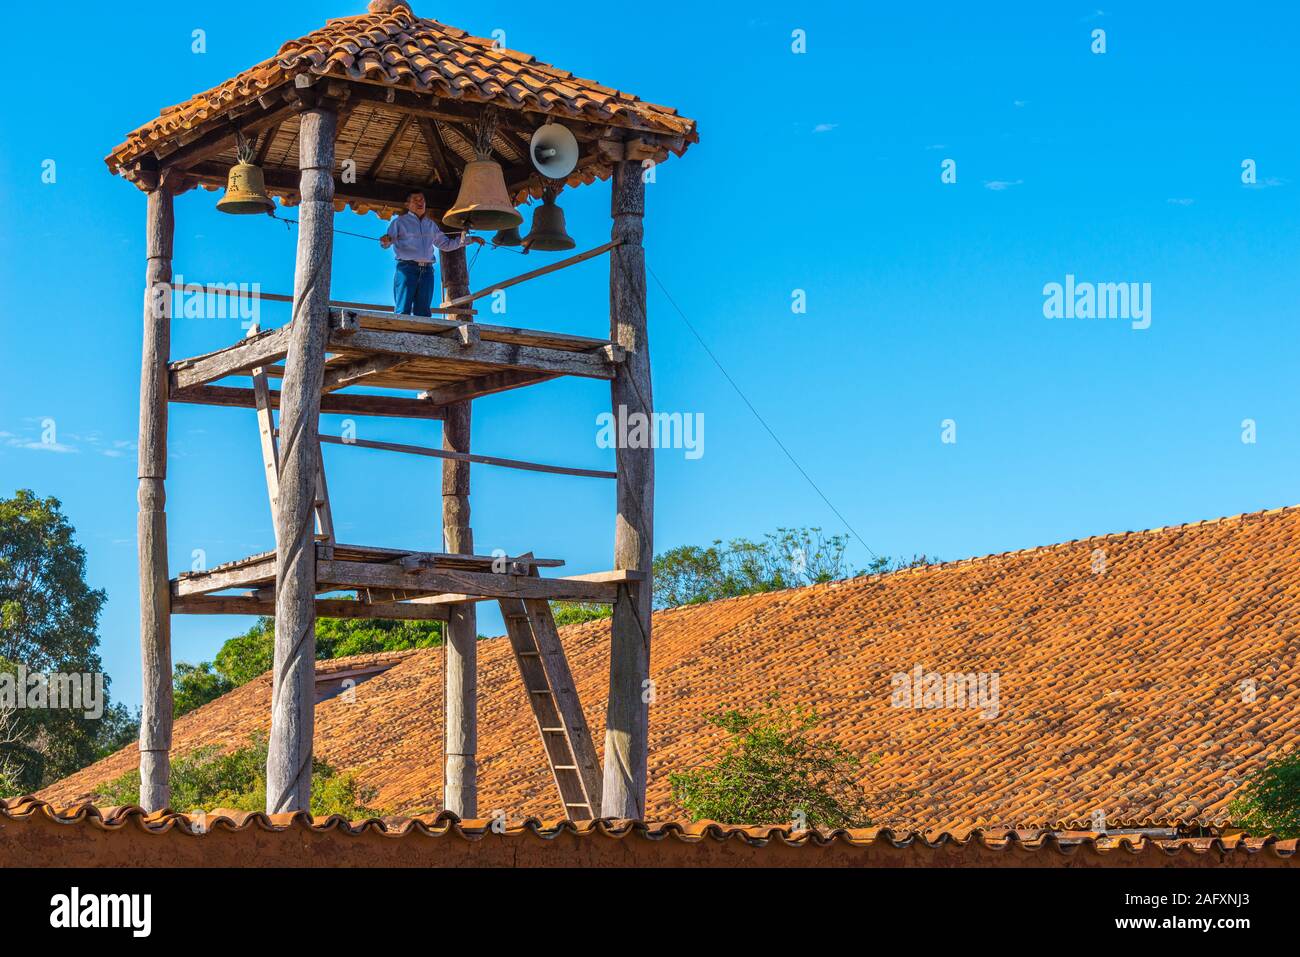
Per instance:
(290,223)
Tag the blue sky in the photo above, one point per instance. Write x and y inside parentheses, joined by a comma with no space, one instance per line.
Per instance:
(817,172)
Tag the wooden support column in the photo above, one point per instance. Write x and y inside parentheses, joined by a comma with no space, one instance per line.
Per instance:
(460,736)
(151,526)
(293,695)
(627,718)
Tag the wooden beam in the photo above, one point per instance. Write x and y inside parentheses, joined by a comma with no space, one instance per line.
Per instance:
(627,717)
(192,151)
(448,111)
(503,355)
(356,373)
(151,523)
(467,458)
(217,289)
(366,191)
(460,653)
(403,124)
(352,320)
(266,434)
(289,761)
(437,151)
(256,571)
(335,404)
(553,267)
(612,578)
(325,608)
(267,139)
(260,350)
(444,581)
(481,386)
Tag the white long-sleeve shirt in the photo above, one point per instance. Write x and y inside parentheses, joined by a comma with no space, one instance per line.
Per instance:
(415,237)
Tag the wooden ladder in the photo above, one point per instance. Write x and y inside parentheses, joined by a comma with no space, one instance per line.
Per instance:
(271,459)
(554,700)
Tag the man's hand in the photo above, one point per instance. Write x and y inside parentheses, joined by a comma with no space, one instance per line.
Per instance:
(386,241)
(475,241)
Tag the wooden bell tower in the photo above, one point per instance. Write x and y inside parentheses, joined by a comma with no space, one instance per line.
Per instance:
(402,129)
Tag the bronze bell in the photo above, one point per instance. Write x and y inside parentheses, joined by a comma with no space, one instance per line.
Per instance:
(246,192)
(549,233)
(483,202)
(508,237)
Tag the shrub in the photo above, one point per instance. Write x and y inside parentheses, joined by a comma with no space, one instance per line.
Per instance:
(207,779)
(1269,802)
(773,772)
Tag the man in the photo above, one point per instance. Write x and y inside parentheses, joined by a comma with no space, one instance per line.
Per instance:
(415,234)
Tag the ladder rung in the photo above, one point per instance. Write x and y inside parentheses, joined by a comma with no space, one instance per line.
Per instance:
(552,730)
(540,691)
(577,804)
(566,767)
(530,654)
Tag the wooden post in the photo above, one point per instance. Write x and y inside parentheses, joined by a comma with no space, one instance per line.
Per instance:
(627,717)
(293,694)
(460,649)
(151,525)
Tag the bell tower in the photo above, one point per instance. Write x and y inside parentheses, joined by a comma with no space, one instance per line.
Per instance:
(412,104)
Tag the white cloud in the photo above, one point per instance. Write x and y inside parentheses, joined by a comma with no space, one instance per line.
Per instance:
(37,446)
(1268,183)
(1181,201)
(825,127)
(998,185)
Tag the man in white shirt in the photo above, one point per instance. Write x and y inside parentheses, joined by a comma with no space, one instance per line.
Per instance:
(414,236)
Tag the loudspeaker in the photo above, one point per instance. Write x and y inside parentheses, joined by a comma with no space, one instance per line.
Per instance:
(554,151)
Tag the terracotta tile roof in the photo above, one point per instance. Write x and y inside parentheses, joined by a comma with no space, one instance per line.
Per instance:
(402,50)
(1146,693)
(872,845)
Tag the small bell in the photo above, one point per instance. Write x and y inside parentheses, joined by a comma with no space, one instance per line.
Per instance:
(246,187)
(483,202)
(508,237)
(549,234)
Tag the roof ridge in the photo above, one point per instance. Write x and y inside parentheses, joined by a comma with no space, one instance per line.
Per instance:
(990,557)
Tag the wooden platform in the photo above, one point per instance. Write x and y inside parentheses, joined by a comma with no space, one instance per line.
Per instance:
(388,583)
(443,360)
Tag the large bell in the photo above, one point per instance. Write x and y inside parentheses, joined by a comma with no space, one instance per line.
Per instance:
(483,202)
(508,237)
(549,234)
(246,192)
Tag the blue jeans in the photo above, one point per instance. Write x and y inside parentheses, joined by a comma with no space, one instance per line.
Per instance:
(413,288)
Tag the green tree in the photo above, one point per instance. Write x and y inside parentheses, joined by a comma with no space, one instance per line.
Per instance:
(207,779)
(1269,801)
(786,558)
(49,616)
(252,654)
(772,771)
(579,612)
(49,620)
(195,685)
